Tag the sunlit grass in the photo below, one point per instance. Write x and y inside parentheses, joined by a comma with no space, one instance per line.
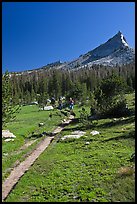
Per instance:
(26,123)
(74,171)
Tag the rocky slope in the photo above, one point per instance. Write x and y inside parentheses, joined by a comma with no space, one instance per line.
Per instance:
(115,51)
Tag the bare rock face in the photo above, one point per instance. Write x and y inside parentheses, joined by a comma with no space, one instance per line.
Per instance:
(115,51)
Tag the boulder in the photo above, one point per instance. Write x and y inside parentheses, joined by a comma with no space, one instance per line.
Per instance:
(70,136)
(47,108)
(78,132)
(7,134)
(8,140)
(75,134)
(94,132)
(41,124)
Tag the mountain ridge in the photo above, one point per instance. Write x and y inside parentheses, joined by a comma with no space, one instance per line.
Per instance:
(115,51)
(117,42)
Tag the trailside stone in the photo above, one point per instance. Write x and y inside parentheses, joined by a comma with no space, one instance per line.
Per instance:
(7,134)
(78,132)
(71,136)
(47,108)
(41,124)
(8,140)
(94,132)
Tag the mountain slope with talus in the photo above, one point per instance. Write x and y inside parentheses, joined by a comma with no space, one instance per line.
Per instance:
(115,51)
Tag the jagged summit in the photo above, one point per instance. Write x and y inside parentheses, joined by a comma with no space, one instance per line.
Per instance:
(115,51)
(119,37)
(116,42)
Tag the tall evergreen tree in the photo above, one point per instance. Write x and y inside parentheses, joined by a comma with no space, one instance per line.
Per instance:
(9,110)
(110,95)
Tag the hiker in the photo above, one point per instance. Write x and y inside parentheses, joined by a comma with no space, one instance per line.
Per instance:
(92,111)
(60,106)
(50,115)
(53,102)
(71,103)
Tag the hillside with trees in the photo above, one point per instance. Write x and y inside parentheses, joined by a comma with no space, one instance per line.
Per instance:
(79,84)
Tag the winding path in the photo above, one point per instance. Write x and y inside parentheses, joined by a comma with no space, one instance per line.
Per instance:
(19,171)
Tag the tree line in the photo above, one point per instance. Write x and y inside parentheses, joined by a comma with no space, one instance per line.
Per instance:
(78,84)
(101,86)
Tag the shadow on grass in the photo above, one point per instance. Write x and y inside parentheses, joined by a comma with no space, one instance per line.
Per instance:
(79,127)
(130,134)
(104,125)
(117,122)
(34,136)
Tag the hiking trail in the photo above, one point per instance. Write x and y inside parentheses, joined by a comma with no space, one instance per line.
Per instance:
(24,166)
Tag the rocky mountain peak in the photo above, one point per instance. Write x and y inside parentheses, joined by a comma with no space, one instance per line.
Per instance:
(114,51)
(119,38)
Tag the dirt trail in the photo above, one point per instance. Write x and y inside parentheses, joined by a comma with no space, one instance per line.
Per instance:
(19,171)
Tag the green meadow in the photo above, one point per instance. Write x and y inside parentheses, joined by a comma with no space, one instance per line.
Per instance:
(26,128)
(93,168)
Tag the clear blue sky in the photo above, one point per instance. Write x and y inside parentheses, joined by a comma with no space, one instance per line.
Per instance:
(37,33)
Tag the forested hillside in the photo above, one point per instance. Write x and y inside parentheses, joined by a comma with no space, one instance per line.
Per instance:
(28,87)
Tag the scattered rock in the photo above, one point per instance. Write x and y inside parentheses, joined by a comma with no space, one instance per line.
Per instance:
(47,108)
(87,143)
(94,132)
(75,197)
(34,103)
(7,140)
(7,134)
(64,120)
(78,132)
(70,136)
(41,124)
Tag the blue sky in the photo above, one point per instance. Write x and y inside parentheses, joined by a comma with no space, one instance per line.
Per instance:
(37,33)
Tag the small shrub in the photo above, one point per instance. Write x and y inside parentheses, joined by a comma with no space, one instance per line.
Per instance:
(117,109)
(84,118)
(110,97)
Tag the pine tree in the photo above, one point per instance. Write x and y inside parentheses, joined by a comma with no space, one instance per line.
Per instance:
(9,110)
(42,100)
(56,87)
(110,95)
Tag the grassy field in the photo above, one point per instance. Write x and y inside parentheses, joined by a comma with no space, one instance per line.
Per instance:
(26,123)
(76,171)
